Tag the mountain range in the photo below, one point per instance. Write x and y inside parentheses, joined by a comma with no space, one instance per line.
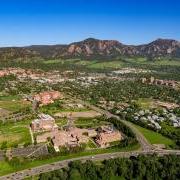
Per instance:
(93,48)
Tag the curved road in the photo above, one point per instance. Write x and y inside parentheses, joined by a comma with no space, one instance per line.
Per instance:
(145,145)
(61,164)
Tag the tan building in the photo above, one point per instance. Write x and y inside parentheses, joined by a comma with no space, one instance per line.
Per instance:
(47,97)
(106,136)
(152,80)
(70,138)
(44,123)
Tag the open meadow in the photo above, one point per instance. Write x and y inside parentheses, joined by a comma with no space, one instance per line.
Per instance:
(14,134)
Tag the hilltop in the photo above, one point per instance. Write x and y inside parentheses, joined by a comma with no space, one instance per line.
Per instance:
(93,48)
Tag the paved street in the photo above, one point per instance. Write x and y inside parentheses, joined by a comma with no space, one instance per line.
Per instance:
(61,164)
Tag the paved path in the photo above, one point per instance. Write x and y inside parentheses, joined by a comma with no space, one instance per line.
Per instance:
(32,138)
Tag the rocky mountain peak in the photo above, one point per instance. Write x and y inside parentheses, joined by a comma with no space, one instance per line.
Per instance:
(94,48)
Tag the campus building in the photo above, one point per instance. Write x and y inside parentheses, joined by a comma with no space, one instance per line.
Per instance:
(44,123)
(47,97)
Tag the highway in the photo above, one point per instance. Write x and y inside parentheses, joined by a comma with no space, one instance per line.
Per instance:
(61,164)
(146,148)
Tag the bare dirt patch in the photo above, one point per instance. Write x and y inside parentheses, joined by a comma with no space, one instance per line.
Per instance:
(83,114)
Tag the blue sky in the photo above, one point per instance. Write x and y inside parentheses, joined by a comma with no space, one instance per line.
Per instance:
(26,22)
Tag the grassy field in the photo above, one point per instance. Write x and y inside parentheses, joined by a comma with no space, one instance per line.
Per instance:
(105,65)
(167,63)
(113,64)
(54,61)
(154,137)
(91,64)
(91,144)
(161,62)
(5,168)
(94,64)
(89,123)
(145,103)
(61,122)
(15,133)
(58,107)
(13,103)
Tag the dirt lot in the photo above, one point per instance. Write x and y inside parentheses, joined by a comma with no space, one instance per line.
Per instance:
(166,104)
(3,112)
(83,114)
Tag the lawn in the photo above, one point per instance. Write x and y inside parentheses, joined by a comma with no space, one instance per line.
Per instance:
(13,103)
(15,133)
(90,122)
(91,144)
(61,122)
(154,137)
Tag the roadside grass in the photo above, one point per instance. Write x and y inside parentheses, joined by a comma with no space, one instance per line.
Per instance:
(13,103)
(5,168)
(14,134)
(154,137)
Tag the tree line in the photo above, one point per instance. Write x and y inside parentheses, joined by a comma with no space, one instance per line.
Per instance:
(143,167)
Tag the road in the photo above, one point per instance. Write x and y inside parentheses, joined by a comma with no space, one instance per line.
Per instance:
(146,148)
(61,164)
(145,145)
